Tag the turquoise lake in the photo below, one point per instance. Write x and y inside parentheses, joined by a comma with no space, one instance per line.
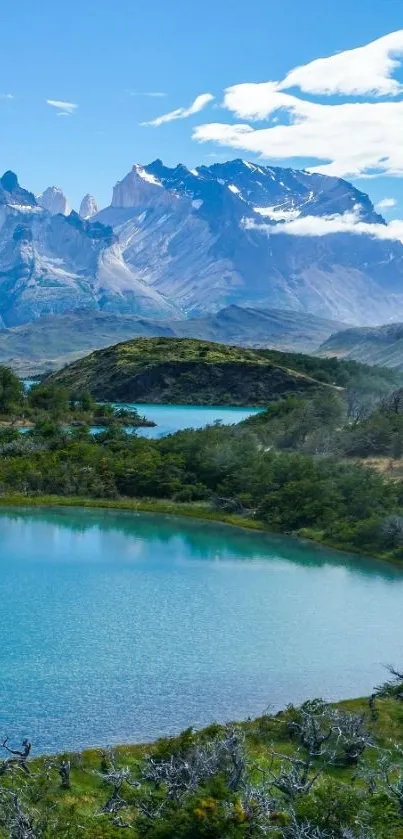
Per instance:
(122,627)
(171,418)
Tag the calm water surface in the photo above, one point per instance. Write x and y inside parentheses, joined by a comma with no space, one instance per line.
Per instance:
(121,627)
(171,418)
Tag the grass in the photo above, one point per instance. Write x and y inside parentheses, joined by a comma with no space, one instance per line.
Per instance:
(263,735)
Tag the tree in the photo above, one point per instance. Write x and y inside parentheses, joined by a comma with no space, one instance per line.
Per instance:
(392,688)
(11,391)
(50,398)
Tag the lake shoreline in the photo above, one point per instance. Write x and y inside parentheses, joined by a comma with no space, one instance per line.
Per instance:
(140,749)
(192,510)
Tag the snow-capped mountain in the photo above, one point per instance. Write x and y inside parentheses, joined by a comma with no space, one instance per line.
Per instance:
(196,236)
(54,201)
(177,243)
(50,264)
(88,207)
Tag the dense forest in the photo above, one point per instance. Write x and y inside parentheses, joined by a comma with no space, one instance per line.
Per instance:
(317,771)
(299,467)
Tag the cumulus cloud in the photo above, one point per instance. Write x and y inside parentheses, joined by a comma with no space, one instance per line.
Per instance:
(328,225)
(347,139)
(6,96)
(364,70)
(181,113)
(64,108)
(386,203)
(350,139)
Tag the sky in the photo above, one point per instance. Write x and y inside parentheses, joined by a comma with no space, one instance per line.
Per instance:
(89,87)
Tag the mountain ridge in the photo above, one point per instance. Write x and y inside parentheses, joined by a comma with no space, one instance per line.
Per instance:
(52,341)
(170,220)
(180,243)
(379,345)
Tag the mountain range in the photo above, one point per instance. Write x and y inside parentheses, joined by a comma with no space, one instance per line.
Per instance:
(176,244)
(54,340)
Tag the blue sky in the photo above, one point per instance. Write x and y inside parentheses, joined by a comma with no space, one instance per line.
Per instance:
(95,54)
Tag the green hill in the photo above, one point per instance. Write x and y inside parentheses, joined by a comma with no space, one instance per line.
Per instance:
(55,340)
(187,371)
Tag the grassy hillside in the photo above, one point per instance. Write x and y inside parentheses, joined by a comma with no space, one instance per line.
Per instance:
(52,341)
(184,371)
(314,772)
(189,371)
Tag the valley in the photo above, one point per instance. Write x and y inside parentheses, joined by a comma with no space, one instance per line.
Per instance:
(201,420)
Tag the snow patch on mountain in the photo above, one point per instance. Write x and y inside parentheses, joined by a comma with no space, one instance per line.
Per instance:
(277,213)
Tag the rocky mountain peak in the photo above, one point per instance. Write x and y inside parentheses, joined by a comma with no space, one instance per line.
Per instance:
(140,188)
(88,207)
(12,193)
(9,181)
(54,201)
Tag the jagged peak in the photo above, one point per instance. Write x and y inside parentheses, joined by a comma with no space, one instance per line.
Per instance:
(9,181)
(140,187)
(88,207)
(12,193)
(54,201)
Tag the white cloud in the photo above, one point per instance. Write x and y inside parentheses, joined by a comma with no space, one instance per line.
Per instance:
(364,70)
(349,139)
(328,225)
(257,101)
(386,203)
(64,108)
(6,96)
(181,113)
(154,94)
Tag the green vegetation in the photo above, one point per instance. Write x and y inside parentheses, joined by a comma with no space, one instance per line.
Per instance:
(228,469)
(55,340)
(316,771)
(292,468)
(49,403)
(313,772)
(200,372)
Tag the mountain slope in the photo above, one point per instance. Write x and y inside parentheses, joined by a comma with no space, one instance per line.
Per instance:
(247,327)
(50,342)
(196,236)
(180,243)
(381,346)
(51,263)
(182,371)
